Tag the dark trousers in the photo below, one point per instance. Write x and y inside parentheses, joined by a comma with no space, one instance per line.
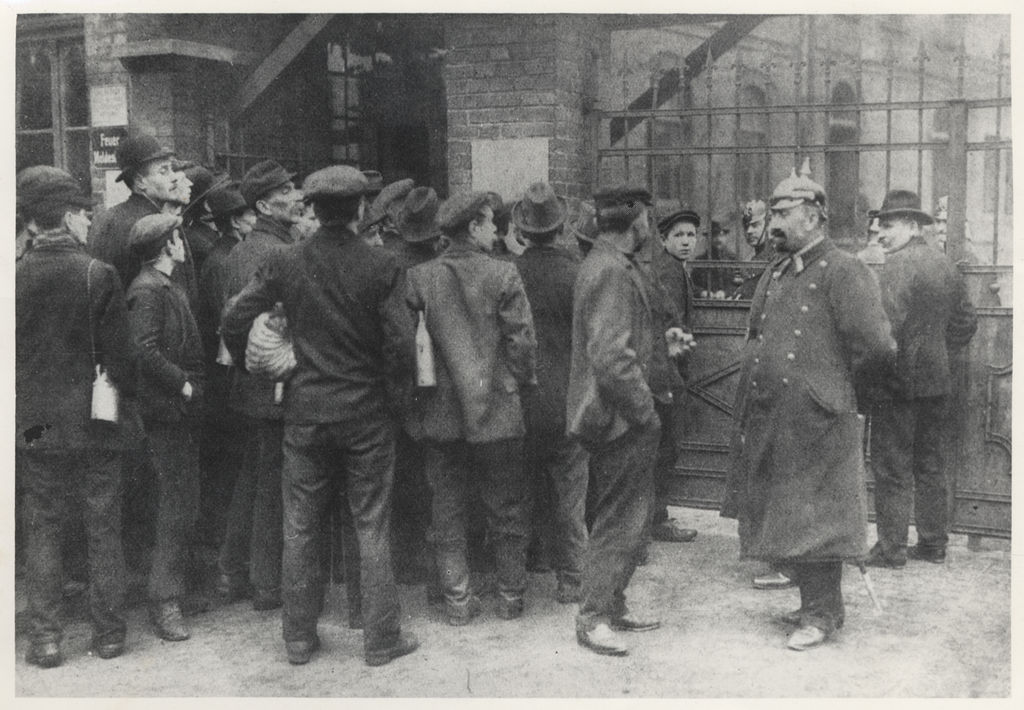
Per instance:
(53,482)
(557,471)
(672,421)
(411,511)
(461,473)
(252,534)
(358,456)
(223,444)
(175,461)
(821,593)
(618,503)
(906,459)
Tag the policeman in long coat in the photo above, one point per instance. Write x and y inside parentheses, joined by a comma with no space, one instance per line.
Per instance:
(925,299)
(798,482)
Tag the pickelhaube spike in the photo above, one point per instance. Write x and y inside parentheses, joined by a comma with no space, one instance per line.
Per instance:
(797,189)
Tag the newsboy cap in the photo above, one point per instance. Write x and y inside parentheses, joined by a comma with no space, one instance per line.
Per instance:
(540,210)
(417,220)
(622,196)
(459,210)
(134,152)
(261,178)
(905,204)
(226,200)
(42,189)
(681,216)
(333,182)
(389,198)
(152,228)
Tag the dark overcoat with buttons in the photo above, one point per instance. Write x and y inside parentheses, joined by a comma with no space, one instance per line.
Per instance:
(797,482)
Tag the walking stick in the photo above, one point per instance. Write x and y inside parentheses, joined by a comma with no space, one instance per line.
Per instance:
(871,587)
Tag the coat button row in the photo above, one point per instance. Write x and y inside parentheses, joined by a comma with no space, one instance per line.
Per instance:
(791,356)
(813,286)
(798,332)
(823,262)
(804,309)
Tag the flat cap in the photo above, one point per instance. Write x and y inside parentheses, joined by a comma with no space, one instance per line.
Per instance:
(797,189)
(152,228)
(134,152)
(261,178)
(333,182)
(622,196)
(44,188)
(461,209)
(388,202)
(681,216)
(225,200)
(417,219)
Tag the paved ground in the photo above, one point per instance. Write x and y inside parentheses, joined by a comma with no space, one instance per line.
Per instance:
(945,632)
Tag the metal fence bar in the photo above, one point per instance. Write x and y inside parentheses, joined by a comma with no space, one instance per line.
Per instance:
(805,107)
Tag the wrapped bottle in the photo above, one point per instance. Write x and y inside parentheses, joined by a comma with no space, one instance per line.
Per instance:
(425,374)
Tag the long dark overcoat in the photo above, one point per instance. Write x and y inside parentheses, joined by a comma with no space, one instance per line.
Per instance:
(797,484)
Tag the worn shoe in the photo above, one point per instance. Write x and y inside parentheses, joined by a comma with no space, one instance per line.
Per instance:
(878,558)
(601,639)
(568,592)
(793,618)
(299,652)
(168,621)
(935,555)
(671,531)
(45,654)
(406,644)
(806,637)
(510,609)
(108,649)
(462,614)
(631,623)
(773,580)
(230,588)
(265,601)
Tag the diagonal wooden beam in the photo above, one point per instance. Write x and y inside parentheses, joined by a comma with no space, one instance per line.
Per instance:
(727,37)
(277,61)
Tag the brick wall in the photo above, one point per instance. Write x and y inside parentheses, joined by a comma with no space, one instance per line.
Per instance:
(519,77)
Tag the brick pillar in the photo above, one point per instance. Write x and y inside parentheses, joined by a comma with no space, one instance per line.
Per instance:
(520,77)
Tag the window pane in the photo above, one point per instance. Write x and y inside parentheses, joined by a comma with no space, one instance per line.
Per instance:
(77,154)
(33,74)
(34,149)
(76,95)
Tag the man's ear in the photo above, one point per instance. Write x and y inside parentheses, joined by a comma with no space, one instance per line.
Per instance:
(261,207)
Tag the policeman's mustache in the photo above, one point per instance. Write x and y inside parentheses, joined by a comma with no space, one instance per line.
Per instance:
(778,233)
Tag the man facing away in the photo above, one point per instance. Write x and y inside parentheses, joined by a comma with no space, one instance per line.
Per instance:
(477,315)
(610,410)
(350,333)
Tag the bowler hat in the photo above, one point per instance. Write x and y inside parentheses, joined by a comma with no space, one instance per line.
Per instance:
(46,189)
(261,178)
(381,206)
(540,210)
(681,216)
(334,182)
(152,228)
(375,183)
(459,210)
(906,204)
(417,220)
(134,152)
(225,200)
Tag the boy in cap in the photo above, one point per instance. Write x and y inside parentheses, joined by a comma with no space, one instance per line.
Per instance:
(171,380)
(797,481)
(926,300)
(351,335)
(556,465)
(70,318)
(251,550)
(610,410)
(478,318)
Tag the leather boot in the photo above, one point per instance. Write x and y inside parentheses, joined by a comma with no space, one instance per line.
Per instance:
(168,621)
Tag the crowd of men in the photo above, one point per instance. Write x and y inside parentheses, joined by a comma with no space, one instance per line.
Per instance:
(443,377)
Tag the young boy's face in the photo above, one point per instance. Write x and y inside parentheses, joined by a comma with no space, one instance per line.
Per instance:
(681,240)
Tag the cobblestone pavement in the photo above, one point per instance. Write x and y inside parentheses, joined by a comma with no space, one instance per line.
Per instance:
(944,632)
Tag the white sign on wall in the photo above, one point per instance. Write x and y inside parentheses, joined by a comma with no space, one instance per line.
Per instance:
(114,192)
(108,105)
(509,165)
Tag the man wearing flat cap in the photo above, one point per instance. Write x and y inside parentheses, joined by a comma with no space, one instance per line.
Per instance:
(71,318)
(378,227)
(797,482)
(147,168)
(351,335)
(478,318)
(170,391)
(555,464)
(610,410)
(926,300)
(251,551)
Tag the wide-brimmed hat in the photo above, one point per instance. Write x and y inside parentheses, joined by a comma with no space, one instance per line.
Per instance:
(459,210)
(387,202)
(681,216)
(134,152)
(152,228)
(226,200)
(417,220)
(540,210)
(904,203)
(261,178)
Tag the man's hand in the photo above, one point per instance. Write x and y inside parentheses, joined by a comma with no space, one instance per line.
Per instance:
(186,391)
(680,343)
